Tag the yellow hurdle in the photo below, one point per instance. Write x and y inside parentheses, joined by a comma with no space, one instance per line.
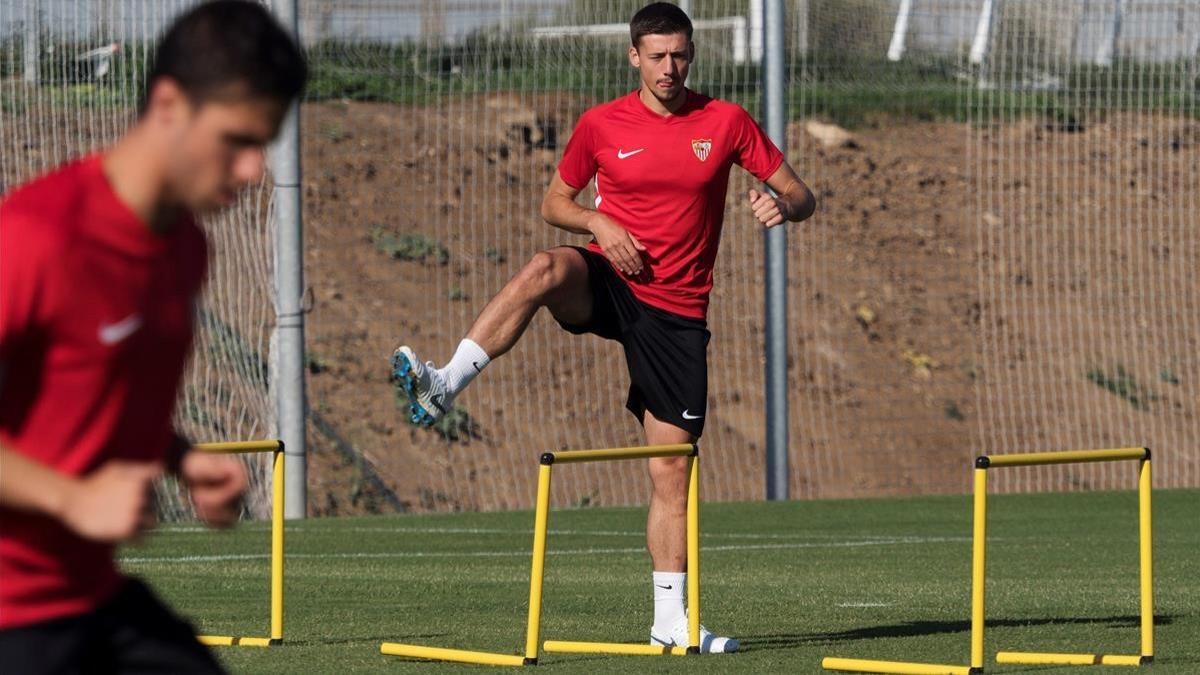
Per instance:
(979,576)
(538,566)
(277,462)
(1047,659)
(1145,546)
(893,667)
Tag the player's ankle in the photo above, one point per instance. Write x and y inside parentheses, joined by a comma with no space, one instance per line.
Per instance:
(468,361)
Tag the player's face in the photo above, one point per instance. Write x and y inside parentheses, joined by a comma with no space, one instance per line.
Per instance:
(222,150)
(663,62)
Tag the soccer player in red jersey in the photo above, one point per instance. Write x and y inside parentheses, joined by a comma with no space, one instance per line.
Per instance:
(102,261)
(661,158)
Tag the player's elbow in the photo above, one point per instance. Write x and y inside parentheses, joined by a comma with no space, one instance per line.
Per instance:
(807,206)
(552,208)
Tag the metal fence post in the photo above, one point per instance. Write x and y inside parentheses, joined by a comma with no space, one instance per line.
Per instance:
(289,291)
(776,265)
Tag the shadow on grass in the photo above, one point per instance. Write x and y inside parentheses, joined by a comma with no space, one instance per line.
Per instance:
(368,640)
(918,628)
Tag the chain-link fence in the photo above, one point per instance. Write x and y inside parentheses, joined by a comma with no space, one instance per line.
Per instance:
(1000,260)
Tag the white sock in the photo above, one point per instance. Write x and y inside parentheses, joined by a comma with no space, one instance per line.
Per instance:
(469,360)
(668,598)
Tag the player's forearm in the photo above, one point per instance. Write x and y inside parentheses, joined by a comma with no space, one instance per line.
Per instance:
(566,214)
(27,485)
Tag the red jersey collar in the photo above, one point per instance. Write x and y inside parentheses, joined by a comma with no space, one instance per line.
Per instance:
(692,102)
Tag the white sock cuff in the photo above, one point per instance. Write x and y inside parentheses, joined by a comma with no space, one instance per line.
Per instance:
(469,360)
(470,349)
(669,584)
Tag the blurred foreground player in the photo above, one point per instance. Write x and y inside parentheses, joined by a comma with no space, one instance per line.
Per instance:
(101,262)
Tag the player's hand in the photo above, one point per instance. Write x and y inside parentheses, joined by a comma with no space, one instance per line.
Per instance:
(622,248)
(217,483)
(766,208)
(114,503)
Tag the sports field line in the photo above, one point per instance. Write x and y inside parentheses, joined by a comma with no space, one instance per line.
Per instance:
(525,553)
(863,605)
(523,532)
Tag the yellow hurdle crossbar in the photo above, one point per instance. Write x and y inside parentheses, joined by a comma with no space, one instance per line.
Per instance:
(1063,457)
(277,462)
(893,667)
(979,563)
(230,641)
(609,454)
(1046,659)
(457,655)
(538,567)
(567,646)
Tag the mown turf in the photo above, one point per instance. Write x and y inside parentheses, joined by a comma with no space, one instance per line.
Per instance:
(883,579)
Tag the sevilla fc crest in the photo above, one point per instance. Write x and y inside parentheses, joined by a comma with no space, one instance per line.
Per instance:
(702,146)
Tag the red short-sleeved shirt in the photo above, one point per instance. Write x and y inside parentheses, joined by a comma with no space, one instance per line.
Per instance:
(96,316)
(664,180)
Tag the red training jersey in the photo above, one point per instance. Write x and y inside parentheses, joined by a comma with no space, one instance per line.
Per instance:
(96,316)
(664,180)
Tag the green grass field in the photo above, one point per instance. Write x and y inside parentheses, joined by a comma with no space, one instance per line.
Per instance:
(884,579)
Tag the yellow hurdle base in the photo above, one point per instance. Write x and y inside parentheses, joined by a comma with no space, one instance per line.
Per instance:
(893,667)
(457,655)
(230,641)
(612,648)
(1047,659)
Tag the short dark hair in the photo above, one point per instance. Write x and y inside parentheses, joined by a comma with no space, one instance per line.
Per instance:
(659,18)
(229,43)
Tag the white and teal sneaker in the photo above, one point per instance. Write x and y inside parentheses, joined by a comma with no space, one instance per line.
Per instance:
(677,636)
(428,397)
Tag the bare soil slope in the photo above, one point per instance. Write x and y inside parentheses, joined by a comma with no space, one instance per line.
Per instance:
(931,284)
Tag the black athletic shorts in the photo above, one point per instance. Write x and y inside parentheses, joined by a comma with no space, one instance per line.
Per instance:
(667,354)
(133,633)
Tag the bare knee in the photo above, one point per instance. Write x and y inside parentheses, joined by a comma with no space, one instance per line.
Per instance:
(670,478)
(542,275)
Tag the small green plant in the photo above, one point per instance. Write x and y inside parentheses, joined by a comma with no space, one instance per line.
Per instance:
(494,255)
(457,294)
(414,247)
(1122,383)
(589,500)
(1167,374)
(457,425)
(333,132)
(953,412)
(316,364)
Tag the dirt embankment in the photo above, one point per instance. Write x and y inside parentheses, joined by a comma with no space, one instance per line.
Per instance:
(931,313)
